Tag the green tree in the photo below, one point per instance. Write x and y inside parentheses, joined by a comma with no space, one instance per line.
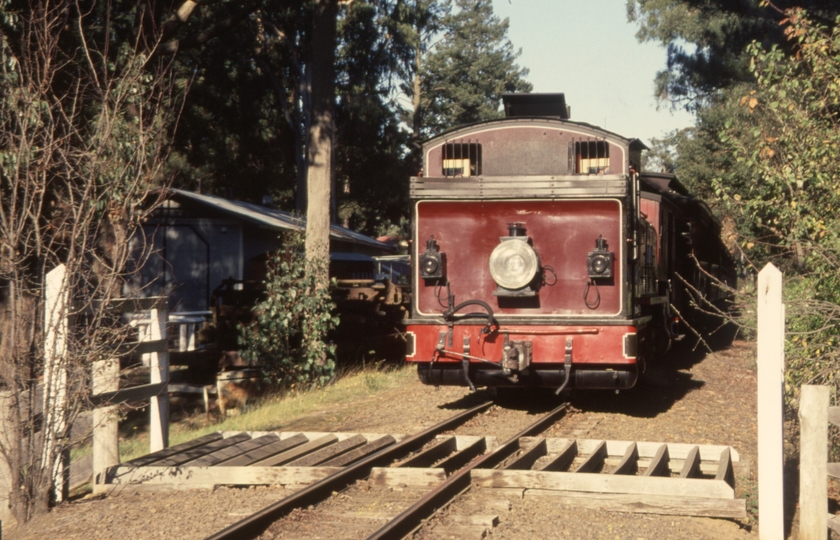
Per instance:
(782,133)
(465,73)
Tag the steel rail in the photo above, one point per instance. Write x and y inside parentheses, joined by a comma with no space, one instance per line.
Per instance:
(255,524)
(413,517)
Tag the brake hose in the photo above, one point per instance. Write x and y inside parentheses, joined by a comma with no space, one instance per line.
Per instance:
(491,320)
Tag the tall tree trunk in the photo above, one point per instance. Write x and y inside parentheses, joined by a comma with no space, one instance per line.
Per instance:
(320,139)
(416,141)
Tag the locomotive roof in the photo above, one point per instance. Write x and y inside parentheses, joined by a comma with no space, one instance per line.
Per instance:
(633,144)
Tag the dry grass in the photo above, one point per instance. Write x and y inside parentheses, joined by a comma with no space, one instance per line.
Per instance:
(272,412)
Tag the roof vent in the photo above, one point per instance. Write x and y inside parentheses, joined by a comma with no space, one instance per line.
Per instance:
(536,105)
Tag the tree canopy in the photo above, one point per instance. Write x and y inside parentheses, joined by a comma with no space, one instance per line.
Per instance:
(464,75)
(762,78)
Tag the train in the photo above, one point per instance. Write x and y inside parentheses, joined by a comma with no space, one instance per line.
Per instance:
(543,256)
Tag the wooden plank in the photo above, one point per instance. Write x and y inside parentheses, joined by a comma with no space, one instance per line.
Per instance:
(122,490)
(649,504)
(483,506)
(603,483)
(137,347)
(326,454)
(133,305)
(359,453)
(486,520)
(148,459)
(462,457)
(298,451)
(813,474)
(834,415)
(595,461)
(158,363)
(691,468)
(834,523)
(462,532)
(770,378)
(135,393)
(266,451)
(373,515)
(659,464)
(395,476)
(432,454)
(193,453)
(106,443)
(629,463)
(647,450)
(528,457)
(231,452)
(725,471)
(228,476)
(563,459)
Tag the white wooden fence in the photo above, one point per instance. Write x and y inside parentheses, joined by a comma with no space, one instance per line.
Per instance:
(814,417)
(105,392)
(107,395)
(771,368)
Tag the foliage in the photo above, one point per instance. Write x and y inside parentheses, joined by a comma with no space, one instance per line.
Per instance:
(783,136)
(84,125)
(706,41)
(289,337)
(464,74)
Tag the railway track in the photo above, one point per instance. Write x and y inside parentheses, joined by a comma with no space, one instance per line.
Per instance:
(450,480)
(455,458)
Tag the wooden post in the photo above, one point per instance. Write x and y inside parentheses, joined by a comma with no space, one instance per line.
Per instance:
(159,405)
(55,377)
(106,445)
(771,365)
(813,462)
(6,399)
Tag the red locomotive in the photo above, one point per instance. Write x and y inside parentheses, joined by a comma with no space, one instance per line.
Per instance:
(542,258)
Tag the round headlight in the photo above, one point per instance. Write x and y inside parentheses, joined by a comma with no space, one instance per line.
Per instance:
(430,266)
(600,263)
(513,264)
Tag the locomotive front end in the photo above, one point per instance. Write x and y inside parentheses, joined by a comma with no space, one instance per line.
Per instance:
(533,265)
(521,293)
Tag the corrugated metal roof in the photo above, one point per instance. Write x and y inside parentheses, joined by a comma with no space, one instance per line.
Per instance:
(274,219)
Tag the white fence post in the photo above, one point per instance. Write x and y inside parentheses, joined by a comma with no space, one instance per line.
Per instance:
(771,366)
(159,405)
(56,296)
(106,445)
(813,462)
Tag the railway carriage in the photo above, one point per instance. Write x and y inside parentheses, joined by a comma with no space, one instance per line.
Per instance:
(542,257)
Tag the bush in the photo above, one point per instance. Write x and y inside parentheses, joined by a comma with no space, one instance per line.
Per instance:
(288,337)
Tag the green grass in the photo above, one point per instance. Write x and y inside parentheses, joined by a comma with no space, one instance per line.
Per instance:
(270,413)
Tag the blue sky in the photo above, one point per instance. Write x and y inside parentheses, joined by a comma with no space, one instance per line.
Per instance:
(587,50)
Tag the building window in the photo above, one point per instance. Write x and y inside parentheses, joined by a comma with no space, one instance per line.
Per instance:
(591,157)
(462,159)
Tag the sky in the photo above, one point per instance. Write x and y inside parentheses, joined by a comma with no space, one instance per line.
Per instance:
(587,50)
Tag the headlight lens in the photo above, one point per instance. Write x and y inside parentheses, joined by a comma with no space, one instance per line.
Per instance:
(513,264)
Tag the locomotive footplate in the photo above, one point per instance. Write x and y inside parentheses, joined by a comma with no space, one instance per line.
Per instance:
(545,376)
(596,356)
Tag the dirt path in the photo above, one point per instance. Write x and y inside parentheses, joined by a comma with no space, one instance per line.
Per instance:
(691,398)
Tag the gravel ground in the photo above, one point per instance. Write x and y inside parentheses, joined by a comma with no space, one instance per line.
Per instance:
(683,399)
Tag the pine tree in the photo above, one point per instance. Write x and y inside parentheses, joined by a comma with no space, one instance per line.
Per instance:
(465,74)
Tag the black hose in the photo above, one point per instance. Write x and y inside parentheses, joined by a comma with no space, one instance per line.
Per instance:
(491,319)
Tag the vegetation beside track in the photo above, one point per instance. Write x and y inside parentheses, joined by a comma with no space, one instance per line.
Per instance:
(270,413)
